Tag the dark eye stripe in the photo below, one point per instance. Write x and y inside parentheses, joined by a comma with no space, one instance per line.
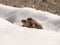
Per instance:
(23,20)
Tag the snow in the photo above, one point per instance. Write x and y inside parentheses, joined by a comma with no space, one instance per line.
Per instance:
(11,32)
(15,15)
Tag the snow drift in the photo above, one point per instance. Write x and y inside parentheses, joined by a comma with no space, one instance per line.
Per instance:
(15,15)
(12,34)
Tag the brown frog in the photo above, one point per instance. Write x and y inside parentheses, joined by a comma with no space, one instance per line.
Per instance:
(34,24)
(31,23)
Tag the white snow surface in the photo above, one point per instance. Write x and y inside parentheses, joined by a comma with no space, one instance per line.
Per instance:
(11,32)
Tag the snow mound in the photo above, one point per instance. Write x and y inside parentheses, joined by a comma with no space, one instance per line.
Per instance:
(11,34)
(15,15)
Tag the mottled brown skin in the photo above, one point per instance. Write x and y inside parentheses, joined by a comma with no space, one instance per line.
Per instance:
(31,23)
(35,24)
(38,26)
(25,23)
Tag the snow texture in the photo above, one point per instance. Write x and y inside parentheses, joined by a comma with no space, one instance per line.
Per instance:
(11,32)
